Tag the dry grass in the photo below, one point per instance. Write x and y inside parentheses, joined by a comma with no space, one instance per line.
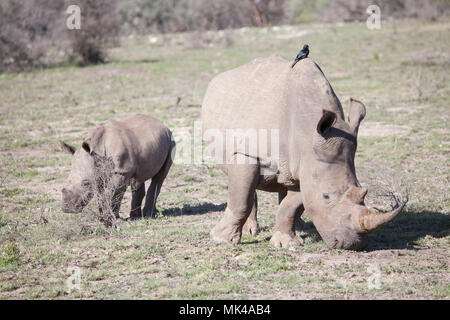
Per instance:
(388,187)
(106,200)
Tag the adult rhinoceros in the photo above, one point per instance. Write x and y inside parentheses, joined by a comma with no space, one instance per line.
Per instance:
(314,168)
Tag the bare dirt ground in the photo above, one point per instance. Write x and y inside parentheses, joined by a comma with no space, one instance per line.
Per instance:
(400,74)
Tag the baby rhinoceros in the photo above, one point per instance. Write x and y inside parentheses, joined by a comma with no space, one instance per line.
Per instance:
(117,154)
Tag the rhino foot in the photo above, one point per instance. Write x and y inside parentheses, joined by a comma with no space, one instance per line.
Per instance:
(227,230)
(250,227)
(286,241)
(135,214)
(299,224)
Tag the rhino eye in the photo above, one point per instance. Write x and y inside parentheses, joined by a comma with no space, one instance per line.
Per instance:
(326,196)
(86,183)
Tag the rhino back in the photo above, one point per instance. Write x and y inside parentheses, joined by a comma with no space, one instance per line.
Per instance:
(267,93)
(138,145)
(153,141)
(249,96)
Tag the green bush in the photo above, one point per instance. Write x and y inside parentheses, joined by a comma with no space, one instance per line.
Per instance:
(9,254)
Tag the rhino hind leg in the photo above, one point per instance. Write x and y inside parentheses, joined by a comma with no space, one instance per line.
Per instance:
(137,195)
(251,226)
(242,181)
(155,187)
(289,212)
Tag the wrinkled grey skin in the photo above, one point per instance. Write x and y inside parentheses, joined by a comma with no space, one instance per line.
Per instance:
(140,148)
(315,169)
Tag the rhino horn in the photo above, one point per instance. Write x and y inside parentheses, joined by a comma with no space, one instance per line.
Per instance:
(369,220)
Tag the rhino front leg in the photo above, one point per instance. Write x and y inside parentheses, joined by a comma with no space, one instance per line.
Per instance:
(110,196)
(251,225)
(137,195)
(291,207)
(299,223)
(119,186)
(242,181)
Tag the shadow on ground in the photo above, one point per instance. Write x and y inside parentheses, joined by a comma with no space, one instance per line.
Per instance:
(405,232)
(134,61)
(203,208)
(408,229)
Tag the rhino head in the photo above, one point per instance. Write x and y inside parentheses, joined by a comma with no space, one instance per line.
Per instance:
(331,193)
(79,188)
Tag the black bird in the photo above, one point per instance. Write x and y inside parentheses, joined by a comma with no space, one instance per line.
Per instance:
(301,55)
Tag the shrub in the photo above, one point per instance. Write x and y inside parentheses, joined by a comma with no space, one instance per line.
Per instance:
(9,254)
(355,10)
(33,33)
(99,29)
(107,194)
(27,29)
(106,200)
(198,15)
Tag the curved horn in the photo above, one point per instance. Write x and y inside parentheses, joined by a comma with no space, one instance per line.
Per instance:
(369,220)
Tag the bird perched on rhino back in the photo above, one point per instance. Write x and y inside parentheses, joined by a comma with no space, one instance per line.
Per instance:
(301,55)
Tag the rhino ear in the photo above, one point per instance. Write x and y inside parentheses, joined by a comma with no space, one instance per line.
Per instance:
(356,113)
(67,148)
(86,146)
(326,122)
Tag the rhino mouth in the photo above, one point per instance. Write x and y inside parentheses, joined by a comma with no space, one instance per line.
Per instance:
(73,203)
(71,208)
(356,245)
